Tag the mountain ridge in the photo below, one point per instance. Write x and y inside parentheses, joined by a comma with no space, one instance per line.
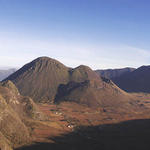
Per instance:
(114,73)
(44,78)
(136,81)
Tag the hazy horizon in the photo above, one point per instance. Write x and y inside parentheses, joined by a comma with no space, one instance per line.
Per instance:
(18,67)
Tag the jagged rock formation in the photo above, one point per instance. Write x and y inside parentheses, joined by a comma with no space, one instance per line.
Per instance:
(14,110)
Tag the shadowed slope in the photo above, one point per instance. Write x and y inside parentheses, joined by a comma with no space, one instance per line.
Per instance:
(129,135)
(135,81)
(114,73)
(94,94)
(86,87)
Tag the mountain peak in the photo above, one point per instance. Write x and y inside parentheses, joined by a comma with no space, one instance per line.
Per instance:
(44,58)
(40,78)
(82,73)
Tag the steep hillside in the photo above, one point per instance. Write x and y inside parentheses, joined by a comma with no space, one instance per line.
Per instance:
(94,93)
(135,81)
(86,87)
(114,73)
(14,110)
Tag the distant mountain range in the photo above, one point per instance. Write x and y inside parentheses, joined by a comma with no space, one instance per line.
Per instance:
(129,79)
(5,73)
(135,81)
(114,73)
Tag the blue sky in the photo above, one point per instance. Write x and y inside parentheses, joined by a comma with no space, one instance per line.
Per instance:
(97,33)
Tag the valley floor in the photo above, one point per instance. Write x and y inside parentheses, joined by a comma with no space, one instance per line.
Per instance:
(75,127)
